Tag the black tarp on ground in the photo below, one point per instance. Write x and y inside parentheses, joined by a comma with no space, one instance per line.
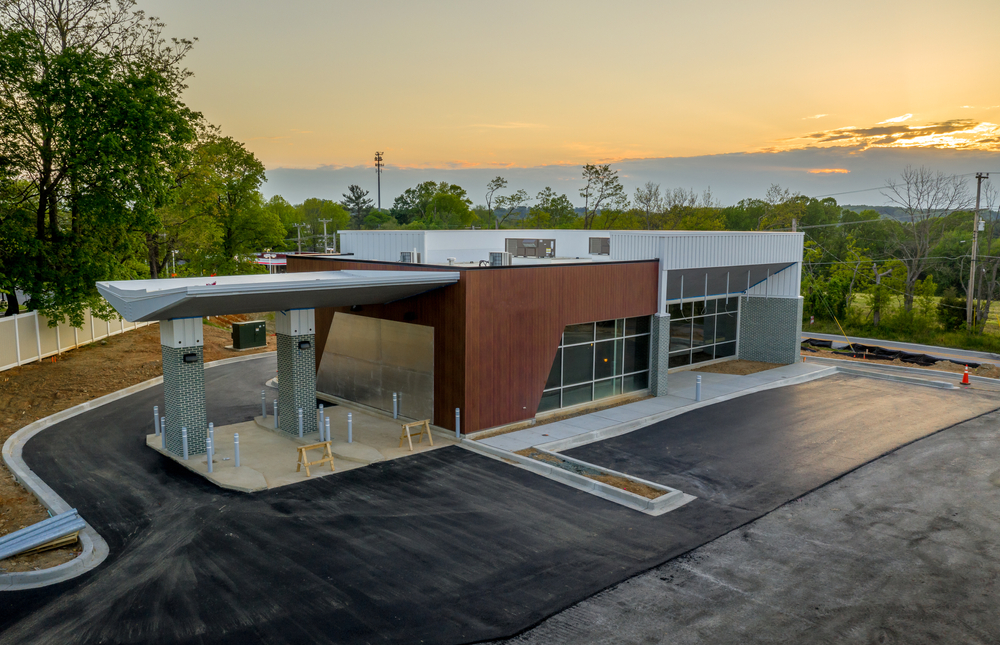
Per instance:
(442,547)
(883,354)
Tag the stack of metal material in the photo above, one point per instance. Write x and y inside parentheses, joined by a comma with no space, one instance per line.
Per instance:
(61,530)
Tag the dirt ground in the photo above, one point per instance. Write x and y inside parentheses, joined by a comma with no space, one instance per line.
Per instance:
(985,369)
(738,367)
(618,482)
(37,390)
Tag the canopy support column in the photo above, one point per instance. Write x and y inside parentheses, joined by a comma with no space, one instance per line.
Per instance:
(181,344)
(296,331)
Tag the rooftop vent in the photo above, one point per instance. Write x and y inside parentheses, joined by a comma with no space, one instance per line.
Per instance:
(500,259)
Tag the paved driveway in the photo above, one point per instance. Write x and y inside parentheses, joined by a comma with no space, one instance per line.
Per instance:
(443,547)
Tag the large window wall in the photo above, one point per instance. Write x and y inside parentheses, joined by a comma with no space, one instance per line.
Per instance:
(702,330)
(597,360)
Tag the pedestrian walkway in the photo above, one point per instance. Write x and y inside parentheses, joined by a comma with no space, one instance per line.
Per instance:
(631,416)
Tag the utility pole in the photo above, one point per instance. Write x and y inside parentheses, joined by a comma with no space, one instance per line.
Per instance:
(980,176)
(298,231)
(378,177)
(325,243)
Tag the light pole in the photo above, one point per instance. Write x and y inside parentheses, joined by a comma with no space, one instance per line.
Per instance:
(378,177)
(980,176)
(173,259)
(325,243)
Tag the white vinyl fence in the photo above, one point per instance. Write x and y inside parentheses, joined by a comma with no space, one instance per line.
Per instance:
(27,337)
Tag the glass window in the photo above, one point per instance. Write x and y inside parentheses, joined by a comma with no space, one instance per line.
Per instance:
(578,394)
(555,375)
(704,308)
(550,401)
(578,364)
(635,382)
(605,329)
(619,328)
(638,325)
(679,360)
(725,327)
(636,354)
(702,354)
(578,334)
(725,349)
(680,335)
(606,359)
(703,332)
(606,388)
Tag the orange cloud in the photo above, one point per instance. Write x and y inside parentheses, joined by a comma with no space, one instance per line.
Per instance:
(954,134)
(828,171)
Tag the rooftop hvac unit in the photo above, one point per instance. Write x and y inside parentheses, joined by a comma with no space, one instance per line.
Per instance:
(406,257)
(500,259)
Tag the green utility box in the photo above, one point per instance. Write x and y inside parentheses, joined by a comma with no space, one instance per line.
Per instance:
(247,335)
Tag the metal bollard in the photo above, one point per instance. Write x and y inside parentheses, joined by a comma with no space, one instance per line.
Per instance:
(350,433)
(395,406)
(276,414)
(208,453)
(184,441)
(263,404)
(156,420)
(458,424)
(328,438)
(697,388)
(211,433)
(321,421)
(163,432)
(300,423)
(236,449)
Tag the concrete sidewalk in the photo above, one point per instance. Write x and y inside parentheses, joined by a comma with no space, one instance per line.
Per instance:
(680,398)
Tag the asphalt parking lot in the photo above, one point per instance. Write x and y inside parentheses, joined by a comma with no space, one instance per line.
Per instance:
(443,547)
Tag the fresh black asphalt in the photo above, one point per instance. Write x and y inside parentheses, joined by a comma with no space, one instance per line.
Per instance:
(441,547)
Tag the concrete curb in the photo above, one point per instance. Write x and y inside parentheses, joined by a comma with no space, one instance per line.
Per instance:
(95,549)
(670,500)
(875,365)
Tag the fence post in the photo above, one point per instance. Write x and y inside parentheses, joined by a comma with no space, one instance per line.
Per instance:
(236,448)
(458,424)
(38,337)
(17,339)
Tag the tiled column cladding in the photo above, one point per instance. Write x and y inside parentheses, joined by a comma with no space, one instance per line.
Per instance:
(296,370)
(184,384)
(660,341)
(770,329)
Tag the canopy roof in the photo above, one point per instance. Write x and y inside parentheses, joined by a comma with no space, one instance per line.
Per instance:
(148,300)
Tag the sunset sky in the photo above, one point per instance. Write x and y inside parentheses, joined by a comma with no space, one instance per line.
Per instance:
(494,85)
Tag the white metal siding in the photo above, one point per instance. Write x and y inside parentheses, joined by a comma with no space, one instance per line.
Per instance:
(382,245)
(784,284)
(697,249)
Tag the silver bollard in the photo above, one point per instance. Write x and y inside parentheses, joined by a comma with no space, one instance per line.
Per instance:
(236,449)
(263,404)
(184,441)
(276,414)
(395,406)
(458,424)
(156,420)
(697,388)
(211,433)
(163,432)
(350,430)
(300,423)
(208,453)
(321,421)
(328,438)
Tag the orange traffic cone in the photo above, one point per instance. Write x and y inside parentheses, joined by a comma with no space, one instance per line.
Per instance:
(965,377)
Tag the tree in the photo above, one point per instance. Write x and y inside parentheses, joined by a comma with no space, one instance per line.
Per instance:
(498,183)
(507,204)
(357,203)
(92,123)
(924,197)
(602,188)
(551,211)
(648,199)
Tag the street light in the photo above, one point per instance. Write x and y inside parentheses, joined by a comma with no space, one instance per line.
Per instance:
(173,258)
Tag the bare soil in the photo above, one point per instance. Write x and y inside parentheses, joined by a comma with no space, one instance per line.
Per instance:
(739,367)
(37,390)
(988,370)
(612,480)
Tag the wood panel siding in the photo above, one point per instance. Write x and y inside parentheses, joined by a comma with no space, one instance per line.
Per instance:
(496,331)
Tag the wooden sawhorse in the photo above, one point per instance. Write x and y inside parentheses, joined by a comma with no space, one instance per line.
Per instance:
(314,446)
(425,428)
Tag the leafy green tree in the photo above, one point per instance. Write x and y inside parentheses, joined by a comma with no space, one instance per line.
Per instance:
(648,199)
(507,205)
(358,204)
(551,211)
(602,189)
(496,184)
(91,121)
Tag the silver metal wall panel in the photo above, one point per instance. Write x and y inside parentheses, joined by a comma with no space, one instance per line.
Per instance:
(693,249)
(367,359)
(385,246)
(784,284)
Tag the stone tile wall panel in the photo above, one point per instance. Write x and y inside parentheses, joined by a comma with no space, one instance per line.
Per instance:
(770,329)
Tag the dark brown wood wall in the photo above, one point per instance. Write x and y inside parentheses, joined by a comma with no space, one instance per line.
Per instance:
(496,331)
(443,309)
(514,320)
